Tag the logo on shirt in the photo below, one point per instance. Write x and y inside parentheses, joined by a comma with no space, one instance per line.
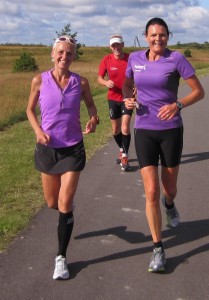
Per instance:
(113,68)
(139,68)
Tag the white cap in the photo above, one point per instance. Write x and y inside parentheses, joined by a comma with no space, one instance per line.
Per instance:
(116,39)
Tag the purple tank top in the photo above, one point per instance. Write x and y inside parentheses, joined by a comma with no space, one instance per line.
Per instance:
(60,110)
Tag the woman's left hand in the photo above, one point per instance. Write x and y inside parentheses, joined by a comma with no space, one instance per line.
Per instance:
(167,112)
(90,126)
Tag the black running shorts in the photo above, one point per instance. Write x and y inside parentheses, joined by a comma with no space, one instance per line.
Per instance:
(118,109)
(152,145)
(59,160)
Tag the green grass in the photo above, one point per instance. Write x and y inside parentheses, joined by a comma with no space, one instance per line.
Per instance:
(20,192)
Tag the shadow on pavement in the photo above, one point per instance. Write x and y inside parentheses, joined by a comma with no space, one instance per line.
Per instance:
(120,231)
(193,157)
(185,233)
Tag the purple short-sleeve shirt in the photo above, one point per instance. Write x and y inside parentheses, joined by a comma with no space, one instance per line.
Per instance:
(157,84)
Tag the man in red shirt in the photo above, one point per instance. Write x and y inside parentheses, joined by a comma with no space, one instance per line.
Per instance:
(112,75)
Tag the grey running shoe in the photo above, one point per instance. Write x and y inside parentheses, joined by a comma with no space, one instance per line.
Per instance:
(61,270)
(158,261)
(172,215)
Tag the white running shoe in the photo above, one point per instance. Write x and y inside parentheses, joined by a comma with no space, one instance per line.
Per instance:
(61,270)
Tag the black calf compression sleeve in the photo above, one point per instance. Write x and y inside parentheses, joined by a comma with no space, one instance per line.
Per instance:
(126,140)
(118,139)
(64,230)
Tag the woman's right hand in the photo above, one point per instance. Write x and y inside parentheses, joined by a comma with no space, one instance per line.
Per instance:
(42,138)
(110,84)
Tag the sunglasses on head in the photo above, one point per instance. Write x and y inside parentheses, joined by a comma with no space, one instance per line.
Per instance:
(63,39)
(70,40)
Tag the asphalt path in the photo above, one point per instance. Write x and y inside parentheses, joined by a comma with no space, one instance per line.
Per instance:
(111,244)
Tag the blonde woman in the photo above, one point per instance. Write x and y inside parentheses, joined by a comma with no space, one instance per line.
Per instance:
(59,152)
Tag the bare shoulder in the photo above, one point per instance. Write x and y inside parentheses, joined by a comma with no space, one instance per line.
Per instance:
(36,81)
(85,84)
(84,81)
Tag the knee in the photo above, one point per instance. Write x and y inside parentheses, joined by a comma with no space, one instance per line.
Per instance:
(66,204)
(169,182)
(125,129)
(152,197)
(52,205)
(116,131)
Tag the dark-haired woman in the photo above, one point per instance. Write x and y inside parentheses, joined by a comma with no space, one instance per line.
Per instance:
(158,124)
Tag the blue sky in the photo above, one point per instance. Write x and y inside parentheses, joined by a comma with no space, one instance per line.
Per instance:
(36,22)
(204,3)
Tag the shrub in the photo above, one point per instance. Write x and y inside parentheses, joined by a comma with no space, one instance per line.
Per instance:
(187,53)
(26,63)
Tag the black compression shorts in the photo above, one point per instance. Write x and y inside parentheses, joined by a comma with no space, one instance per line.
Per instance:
(152,145)
(118,109)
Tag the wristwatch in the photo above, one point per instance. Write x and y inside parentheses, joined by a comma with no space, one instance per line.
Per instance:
(179,105)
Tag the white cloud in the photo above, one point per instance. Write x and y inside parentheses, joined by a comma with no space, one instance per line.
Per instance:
(37,22)
(7,7)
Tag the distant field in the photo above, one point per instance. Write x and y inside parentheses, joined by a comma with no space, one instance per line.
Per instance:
(20,189)
(15,87)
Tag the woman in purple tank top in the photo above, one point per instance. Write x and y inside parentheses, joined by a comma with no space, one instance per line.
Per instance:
(158,124)
(59,152)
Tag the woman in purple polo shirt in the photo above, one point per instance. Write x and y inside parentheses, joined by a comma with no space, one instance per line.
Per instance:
(59,152)
(158,124)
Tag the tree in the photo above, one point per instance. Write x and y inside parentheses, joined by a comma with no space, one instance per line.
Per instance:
(67,31)
(26,63)
(179,44)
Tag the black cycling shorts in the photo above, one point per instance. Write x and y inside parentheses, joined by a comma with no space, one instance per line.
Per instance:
(152,145)
(118,109)
(59,160)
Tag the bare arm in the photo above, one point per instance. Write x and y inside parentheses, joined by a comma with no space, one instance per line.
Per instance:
(92,110)
(197,93)
(108,83)
(41,137)
(129,93)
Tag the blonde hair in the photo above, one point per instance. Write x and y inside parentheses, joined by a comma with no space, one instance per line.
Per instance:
(65,38)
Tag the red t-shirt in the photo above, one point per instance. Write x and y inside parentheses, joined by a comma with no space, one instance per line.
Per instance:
(115,70)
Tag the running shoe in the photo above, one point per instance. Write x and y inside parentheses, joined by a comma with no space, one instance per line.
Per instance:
(118,160)
(61,270)
(171,214)
(124,164)
(158,261)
